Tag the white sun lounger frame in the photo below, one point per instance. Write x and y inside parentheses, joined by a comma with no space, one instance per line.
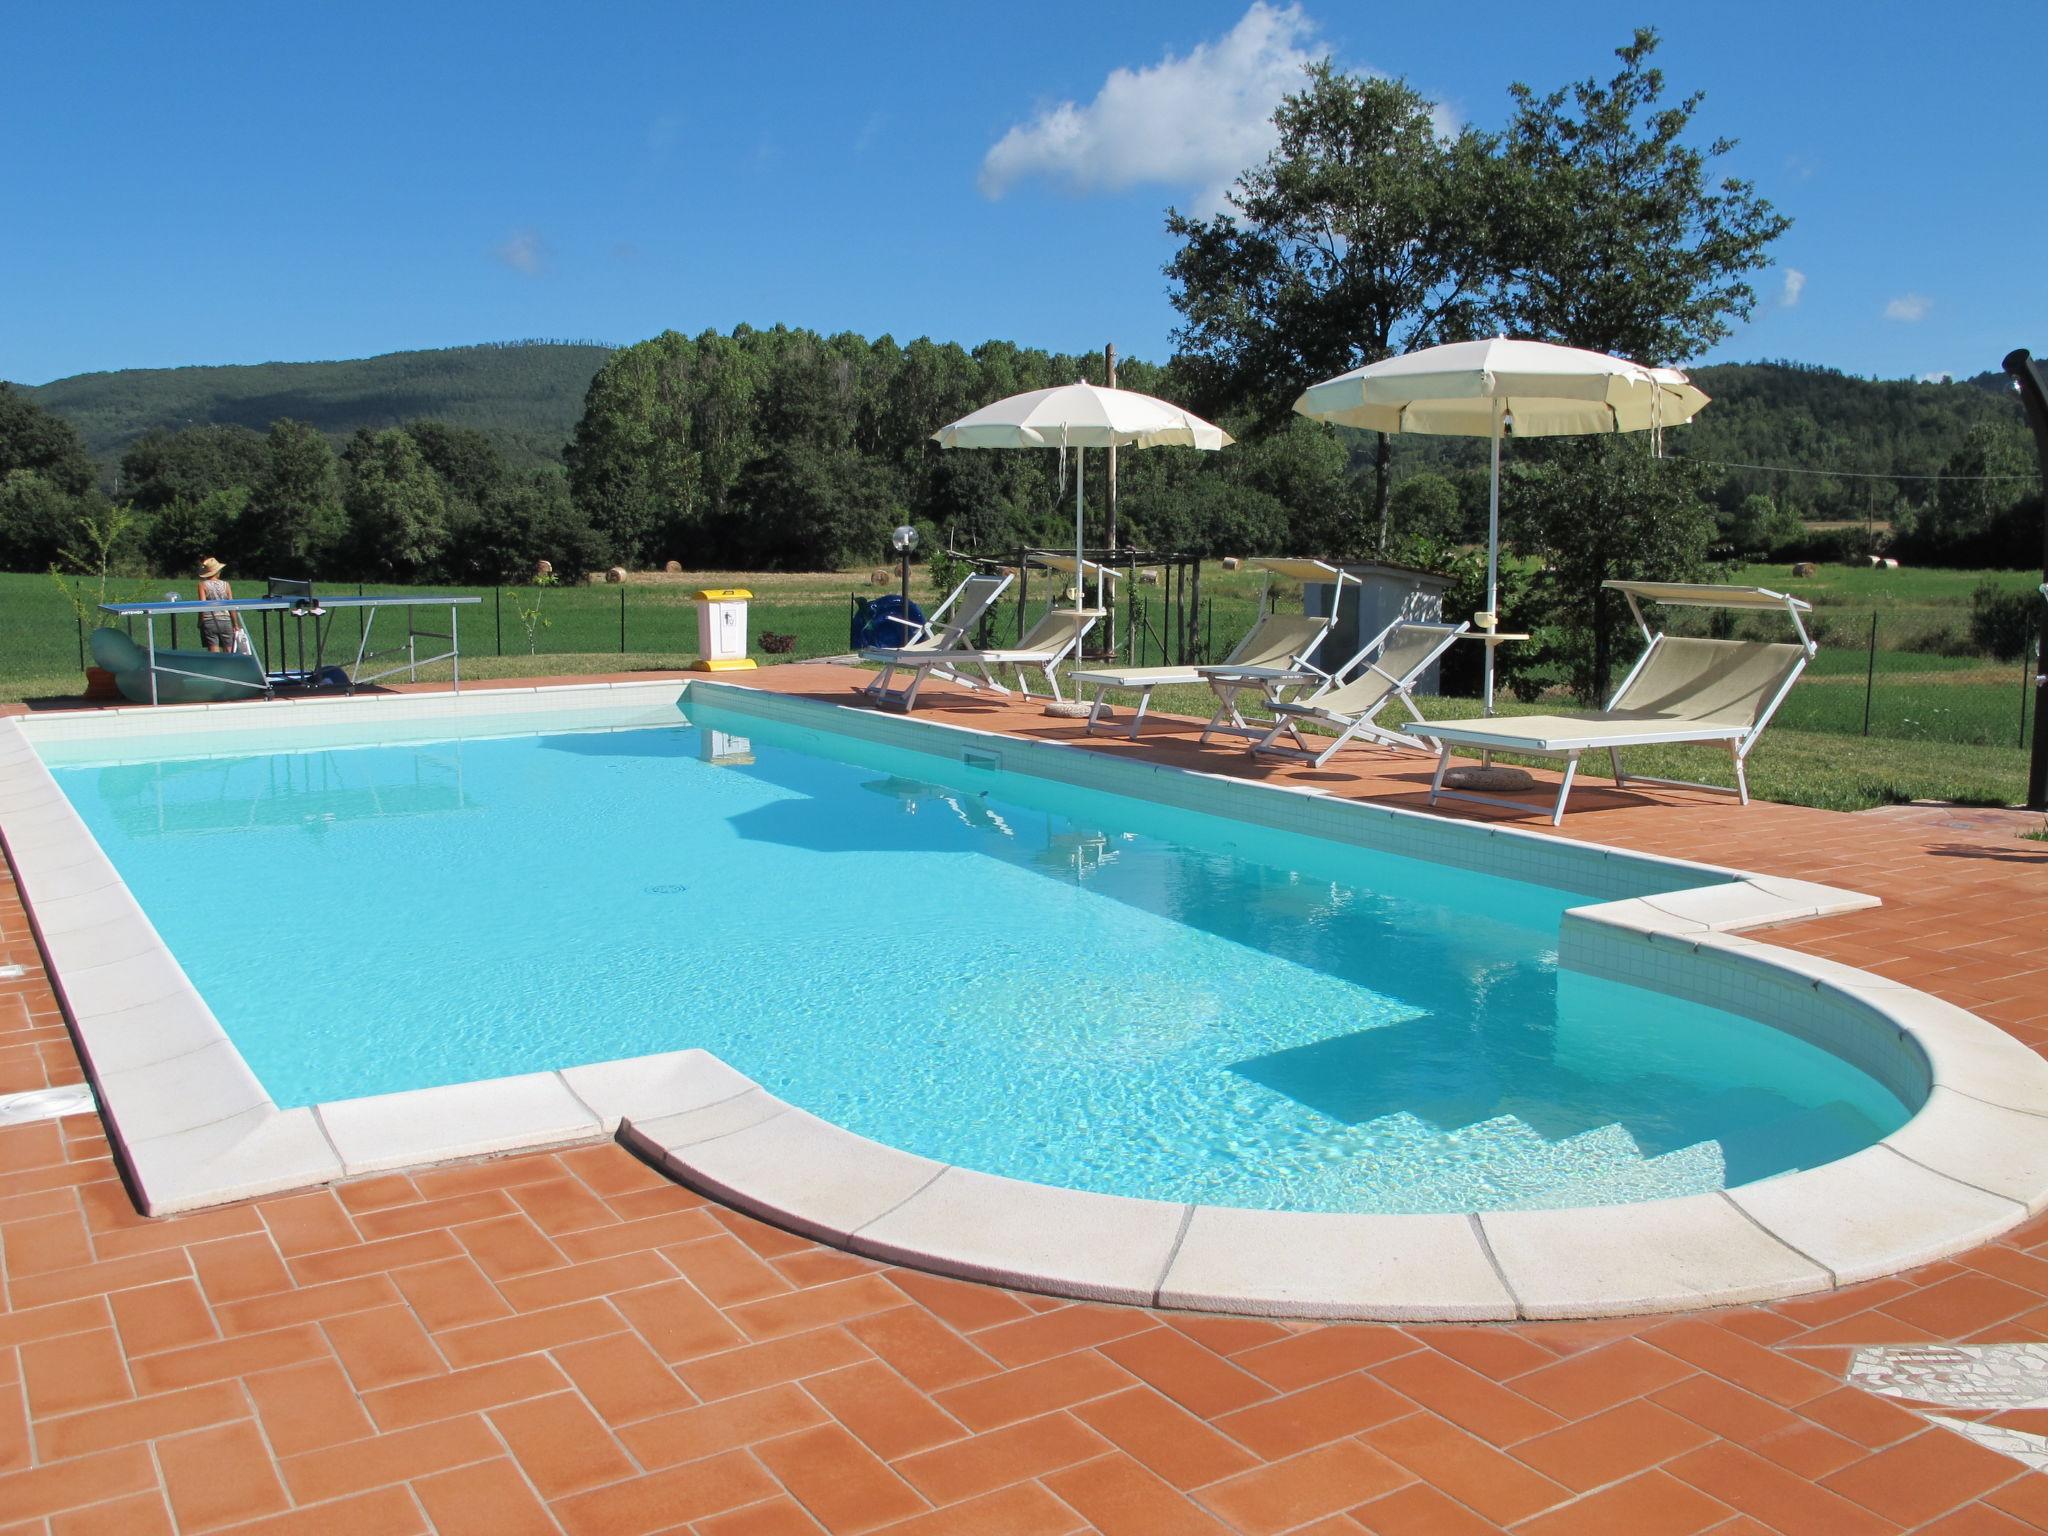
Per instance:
(1497,735)
(938,643)
(1226,719)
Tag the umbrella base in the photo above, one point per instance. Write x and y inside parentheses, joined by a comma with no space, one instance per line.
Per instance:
(1497,780)
(1066,709)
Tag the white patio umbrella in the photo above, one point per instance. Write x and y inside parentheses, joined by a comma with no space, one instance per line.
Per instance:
(1081,416)
(1493,388)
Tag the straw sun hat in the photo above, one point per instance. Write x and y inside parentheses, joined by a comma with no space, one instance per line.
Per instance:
(210,568)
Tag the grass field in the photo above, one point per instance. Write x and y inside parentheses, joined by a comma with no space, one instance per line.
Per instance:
(1941,727)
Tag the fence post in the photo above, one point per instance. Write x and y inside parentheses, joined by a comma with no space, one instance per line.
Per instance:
(622,618)
(498,616)
(1870,677)
(2027,666)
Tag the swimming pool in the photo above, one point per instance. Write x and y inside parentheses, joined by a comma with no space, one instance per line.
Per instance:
(967,962)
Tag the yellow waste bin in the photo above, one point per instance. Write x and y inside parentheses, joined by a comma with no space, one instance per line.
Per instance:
(722,630)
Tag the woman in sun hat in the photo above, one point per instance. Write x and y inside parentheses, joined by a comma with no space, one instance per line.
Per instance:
(216,629)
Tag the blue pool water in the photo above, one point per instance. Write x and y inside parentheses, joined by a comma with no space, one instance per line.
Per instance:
(971,964)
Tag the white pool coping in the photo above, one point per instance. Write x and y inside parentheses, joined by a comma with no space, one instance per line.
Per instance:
(194,1128)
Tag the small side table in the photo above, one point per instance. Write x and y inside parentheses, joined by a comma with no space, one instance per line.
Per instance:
(1486,776)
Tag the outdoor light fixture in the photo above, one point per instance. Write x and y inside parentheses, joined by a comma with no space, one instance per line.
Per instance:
(903,539)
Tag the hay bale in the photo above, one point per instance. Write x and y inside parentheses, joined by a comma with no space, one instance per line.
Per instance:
(1231,562)
(1805,568)
(880,578)
(543,568)
(673,568)
(615,575)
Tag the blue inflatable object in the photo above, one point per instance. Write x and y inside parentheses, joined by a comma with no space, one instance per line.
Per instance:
(199,677)
(874,624)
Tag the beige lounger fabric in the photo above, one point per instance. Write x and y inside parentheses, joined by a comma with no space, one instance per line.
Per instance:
(1411,647)
(1685,690)
(1277,640)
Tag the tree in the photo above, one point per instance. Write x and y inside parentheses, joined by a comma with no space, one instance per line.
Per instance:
(1365,233)
(162,467)
(397,511)
(1427,506)
(1605,510)
(1617,237)
(186,532)
(467,461)
(294,519)
(36,521)
(33,439)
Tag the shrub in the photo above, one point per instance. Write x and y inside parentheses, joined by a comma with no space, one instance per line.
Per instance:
(2003,623)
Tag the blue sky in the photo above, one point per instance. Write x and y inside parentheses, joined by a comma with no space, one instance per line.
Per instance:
(222,184)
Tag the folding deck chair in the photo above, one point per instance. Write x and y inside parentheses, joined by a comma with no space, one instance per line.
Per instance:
(1680,690)
(1056,636)
(1277,645)
(1350,701)
(934,646)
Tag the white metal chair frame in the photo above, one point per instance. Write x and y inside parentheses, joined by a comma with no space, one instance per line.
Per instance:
(1739,739)
(1225,678)
(1361,723)
(937,645)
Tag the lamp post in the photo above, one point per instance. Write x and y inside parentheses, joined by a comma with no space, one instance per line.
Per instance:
(2031,380)
(903,540)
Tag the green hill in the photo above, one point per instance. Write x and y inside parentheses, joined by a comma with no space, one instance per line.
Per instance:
(525,395)
(528,395)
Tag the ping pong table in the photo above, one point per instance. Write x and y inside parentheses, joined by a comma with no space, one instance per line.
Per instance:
(297,601)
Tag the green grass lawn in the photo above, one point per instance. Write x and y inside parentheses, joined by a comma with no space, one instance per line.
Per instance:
(1942,727)
(1792,765)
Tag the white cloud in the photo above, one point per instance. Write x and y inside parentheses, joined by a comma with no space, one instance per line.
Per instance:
(523,251)
(1939,376)
(1908,307)
(1190,120)
(1795,285)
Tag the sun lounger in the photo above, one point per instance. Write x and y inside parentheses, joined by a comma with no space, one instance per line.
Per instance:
(1277,645)
(1386,670)
(1704,692)
(1050,641)
(943,640)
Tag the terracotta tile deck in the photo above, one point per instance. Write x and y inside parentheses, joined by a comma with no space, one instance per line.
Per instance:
(570,1343)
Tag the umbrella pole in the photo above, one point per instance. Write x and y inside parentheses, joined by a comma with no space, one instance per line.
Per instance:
(1080,560)
(1492,556)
